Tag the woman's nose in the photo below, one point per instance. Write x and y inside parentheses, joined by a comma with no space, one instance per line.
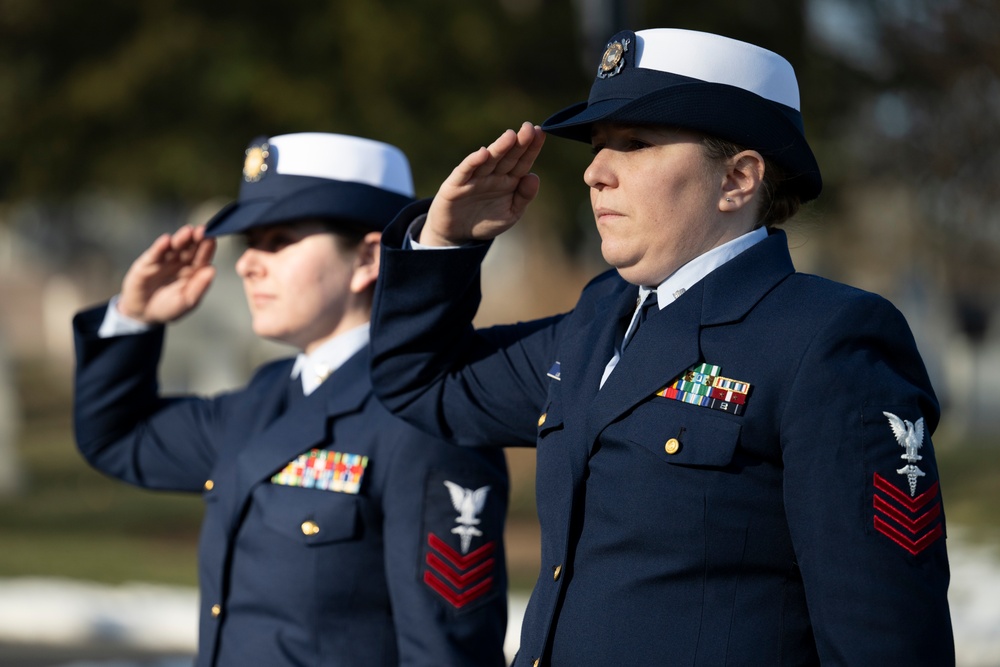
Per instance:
(599,173)
(248,264)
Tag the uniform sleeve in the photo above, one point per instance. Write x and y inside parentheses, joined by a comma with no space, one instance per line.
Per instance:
(479,388)
(444,510)
(122,425)
(862,493)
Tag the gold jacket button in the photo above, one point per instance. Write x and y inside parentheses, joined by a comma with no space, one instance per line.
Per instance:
(209,485)
(556,571)
(216,610)
(541,420)
(673,446)
(309,528)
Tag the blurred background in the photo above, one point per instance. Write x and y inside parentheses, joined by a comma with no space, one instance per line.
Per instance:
(120,120)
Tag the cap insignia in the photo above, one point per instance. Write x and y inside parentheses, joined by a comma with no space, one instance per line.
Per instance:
(613,59)
(255,164)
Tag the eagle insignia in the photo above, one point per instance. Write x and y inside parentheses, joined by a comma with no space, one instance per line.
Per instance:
(468,503)
(910,436)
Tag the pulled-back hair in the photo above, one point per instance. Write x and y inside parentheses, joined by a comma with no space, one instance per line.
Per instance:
(777,204)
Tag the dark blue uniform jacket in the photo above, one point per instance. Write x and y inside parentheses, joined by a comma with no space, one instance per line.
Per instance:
(371,574)
(779,530)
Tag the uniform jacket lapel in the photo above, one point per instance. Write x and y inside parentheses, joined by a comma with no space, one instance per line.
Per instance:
(584,355)
(304,426)
(665,346)
(585,352)
(668,343)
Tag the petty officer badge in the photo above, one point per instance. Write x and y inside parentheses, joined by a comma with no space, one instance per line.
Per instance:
(460,555)
(911,520)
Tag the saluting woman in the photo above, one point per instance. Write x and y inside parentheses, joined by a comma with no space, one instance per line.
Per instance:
(334,533)
(734,464)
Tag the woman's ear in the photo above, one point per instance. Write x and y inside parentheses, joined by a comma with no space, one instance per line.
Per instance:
(366,262)
(742,180)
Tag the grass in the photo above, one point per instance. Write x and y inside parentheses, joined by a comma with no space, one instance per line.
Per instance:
(70,521)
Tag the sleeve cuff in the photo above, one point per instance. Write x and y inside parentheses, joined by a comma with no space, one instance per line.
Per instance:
(413,232)
(116,324)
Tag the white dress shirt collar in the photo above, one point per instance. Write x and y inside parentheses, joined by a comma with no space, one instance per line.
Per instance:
(683,278)
(316,367)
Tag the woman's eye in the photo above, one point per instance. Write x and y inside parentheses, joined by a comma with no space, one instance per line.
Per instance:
(268,243)
(624,146)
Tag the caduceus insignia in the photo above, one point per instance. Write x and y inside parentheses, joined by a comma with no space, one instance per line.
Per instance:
(468,504)
(910,436)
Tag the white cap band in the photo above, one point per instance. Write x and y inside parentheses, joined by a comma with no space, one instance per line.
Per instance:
(717,59)
(343,158)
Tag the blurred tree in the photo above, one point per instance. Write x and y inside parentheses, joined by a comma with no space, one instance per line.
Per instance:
(930,119)
(923,128)
(159,98)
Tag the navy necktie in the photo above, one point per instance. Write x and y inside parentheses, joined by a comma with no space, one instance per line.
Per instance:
(294,394)
(644,311)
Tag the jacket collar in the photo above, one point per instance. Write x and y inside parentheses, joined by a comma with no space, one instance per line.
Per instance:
(669,342)
(305,424)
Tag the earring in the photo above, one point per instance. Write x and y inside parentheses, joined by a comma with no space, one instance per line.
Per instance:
(729,199)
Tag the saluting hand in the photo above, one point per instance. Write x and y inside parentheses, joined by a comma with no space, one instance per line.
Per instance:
(488,192)
(169,279)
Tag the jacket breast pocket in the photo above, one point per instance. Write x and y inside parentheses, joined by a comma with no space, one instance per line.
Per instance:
(309,516)
(681,434)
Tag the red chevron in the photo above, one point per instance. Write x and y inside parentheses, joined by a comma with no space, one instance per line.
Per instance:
(458,600)
(913,546)
(912,504)
(455,578)
(912,525)
(457,559)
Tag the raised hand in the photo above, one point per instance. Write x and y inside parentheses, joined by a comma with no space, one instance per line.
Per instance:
(169,279)
(488,192)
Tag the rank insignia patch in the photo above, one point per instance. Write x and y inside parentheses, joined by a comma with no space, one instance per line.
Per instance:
(460,560)
(913,523)
(459,578)
(325,470)
(911,520)
(703,386)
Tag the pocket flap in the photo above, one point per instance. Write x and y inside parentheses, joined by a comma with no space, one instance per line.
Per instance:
(681,434)
(312,516)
